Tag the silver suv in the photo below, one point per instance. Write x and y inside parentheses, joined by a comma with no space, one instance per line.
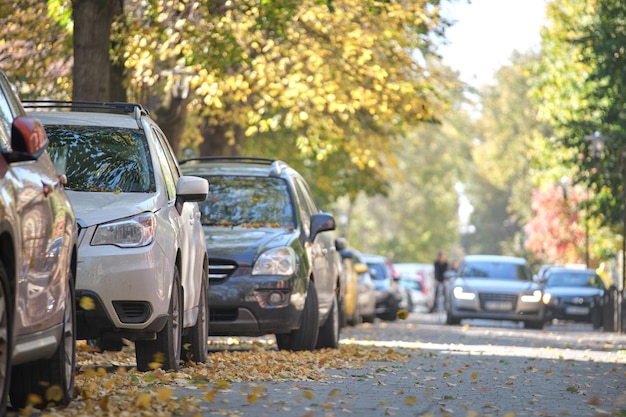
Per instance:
(37,265)
(142,265)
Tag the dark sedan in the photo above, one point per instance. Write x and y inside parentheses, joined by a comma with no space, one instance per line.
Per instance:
(574,295)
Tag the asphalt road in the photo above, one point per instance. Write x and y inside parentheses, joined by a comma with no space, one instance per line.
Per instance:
(480,368)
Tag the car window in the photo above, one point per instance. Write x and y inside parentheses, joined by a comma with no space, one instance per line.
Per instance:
(489,269)
(248,201)
(378,271)
(96,158)
(168,166)
(566,279)
(6,119)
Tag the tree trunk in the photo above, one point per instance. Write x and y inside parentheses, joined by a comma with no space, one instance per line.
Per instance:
(171,118)
(92,39)
(217,141)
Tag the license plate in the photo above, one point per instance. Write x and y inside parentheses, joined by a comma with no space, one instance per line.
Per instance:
(498,305)
(575,310)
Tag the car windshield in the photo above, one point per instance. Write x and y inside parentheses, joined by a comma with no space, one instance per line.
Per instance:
(96,158)
(247,201)
(572,279)
(495,269)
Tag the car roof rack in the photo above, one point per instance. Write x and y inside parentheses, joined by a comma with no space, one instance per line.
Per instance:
(111,107)
(277,166)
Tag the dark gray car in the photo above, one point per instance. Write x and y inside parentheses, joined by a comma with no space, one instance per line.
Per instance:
(273,269)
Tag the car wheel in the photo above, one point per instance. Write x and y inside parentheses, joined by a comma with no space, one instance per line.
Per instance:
(56,373)
(164,352)
(305,337)
(451,319)
(328,336)
(195,342)
(356,316)
(391,313)
(596,317)
(5,338)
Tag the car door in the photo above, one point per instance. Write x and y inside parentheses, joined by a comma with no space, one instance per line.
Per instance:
(36,195)
(192,242)
(322,249)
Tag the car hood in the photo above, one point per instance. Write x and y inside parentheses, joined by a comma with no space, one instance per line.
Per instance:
(495,285)
(245,244)
(95,208)
(573,291)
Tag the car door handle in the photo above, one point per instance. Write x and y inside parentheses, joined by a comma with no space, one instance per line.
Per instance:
(47,188)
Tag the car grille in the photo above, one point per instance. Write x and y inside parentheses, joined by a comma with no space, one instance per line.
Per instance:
(132,311)
(497,298)
(221,269)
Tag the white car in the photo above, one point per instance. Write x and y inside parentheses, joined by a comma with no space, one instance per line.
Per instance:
(142,265)
(37,265)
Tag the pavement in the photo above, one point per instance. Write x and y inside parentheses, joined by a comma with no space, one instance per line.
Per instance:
(480,368)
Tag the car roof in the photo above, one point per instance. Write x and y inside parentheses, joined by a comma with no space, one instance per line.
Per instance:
(238,166)
(585,271)
(495,258)
(80,113)
(369,257)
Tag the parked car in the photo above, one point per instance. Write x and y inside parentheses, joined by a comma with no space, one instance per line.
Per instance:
(419,280)
(273,266)
(142,264)
(573,294)
(38,235)
(495,287)
(389,298)
(362,288)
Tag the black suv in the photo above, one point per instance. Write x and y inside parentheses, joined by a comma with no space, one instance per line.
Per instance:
(272,269)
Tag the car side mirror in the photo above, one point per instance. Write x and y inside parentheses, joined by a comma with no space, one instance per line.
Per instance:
(28,140)
(360,268)
(321,222)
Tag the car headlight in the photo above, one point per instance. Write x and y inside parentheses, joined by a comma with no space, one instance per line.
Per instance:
(279,261)
(535,297)
(546,298)
(133,232)
(461,294)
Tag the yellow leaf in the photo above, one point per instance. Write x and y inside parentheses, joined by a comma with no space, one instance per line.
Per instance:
(333,393)
(308,395)
(474,375)
(221,384)
(410,400)
(34,399)
(252,398)
(209,396)
(164,393)
(87,303)
(143,400)
(54,393)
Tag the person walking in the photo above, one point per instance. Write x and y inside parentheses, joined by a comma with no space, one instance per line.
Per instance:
(441,266)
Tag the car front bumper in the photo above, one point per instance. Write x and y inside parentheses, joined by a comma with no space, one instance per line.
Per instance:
(246,305)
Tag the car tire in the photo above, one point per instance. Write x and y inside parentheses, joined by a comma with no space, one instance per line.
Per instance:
(164,352)
(393,306)
(328,336)
(451,319)
(6,331)
(195,341)
(356,316)
(37,377)
(596,317)
(304,337)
